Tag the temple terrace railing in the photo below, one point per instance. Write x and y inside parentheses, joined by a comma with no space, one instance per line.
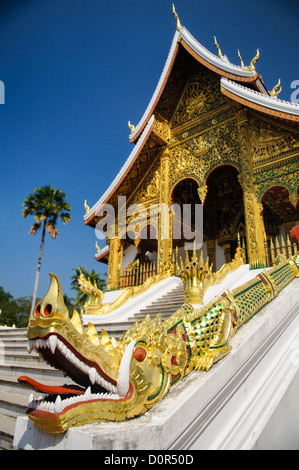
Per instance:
(136,274)
(274,247)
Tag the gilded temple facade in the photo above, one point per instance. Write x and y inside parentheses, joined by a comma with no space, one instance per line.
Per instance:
(214,135)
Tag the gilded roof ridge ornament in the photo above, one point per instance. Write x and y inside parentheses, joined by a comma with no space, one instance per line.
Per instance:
(86,207)
(131,127)
(254,60)
(241,60)
(276,91)
(178,23)
(218,48)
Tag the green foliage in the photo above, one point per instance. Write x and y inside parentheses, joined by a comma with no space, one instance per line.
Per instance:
(47,204)
(81,297)
(69,302)
(14,311)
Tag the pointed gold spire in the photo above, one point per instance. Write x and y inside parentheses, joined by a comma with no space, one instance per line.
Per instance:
(86,207)
(276,90)
(218,48)
(178,23)
(254,60)
(131,127)
(241,60)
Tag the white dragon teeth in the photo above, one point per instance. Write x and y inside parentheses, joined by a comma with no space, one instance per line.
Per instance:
(123,382)
(60,403)
(92,375)
(53,342)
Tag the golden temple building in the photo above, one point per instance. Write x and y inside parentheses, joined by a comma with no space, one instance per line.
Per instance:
(212,134)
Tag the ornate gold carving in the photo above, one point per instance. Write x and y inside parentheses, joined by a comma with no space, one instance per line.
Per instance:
(161,129)
(254,61)
(131,127)
(86,207)
(178,24)
(199,155)
(271,142)
(95,295)
(113,263)
(202,95)
(133,291)
(241,60)
(255,230)
(159,353)
(218,48)
(149,186)
(164,239)
(276,90)
(198,276)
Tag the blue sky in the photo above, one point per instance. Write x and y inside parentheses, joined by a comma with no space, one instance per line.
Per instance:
(75,72)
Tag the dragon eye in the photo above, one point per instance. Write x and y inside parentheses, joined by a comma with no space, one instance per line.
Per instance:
(140,353)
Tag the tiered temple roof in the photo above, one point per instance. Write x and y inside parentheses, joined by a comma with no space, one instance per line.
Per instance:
(242,86)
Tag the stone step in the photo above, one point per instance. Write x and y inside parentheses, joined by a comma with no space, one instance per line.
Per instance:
(160,308)
(13,404)
(7,430)
(38,372)
(10,332)
(10,384)
(16,357)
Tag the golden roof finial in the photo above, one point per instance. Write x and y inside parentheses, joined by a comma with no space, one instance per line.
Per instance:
(254,61)
(178,24)
(276,91)
(218,48)
(87,208)
(241,60)
(97,248)
(131,127)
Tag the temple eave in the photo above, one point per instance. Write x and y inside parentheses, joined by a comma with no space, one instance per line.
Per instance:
(265,105)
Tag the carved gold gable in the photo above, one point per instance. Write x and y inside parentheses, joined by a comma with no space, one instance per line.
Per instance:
(201,96)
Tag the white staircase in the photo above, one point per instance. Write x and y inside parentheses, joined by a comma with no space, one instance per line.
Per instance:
(15,362)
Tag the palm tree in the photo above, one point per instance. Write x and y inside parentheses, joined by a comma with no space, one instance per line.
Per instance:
(81,297)
(47,205)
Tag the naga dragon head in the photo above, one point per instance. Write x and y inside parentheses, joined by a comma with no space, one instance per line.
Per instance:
(111,379)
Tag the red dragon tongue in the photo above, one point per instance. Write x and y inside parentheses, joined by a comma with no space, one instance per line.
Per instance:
(49,389)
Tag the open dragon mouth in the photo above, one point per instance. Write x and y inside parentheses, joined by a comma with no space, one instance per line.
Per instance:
(91,383)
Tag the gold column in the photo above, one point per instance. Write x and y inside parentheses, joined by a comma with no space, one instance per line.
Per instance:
(164,241)
(114,263)
(255,229)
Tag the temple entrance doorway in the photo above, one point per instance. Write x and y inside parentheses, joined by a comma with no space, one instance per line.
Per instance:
(184,200)
(224,219)
(223,213)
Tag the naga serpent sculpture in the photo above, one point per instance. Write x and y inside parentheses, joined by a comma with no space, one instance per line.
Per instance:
(119,379)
